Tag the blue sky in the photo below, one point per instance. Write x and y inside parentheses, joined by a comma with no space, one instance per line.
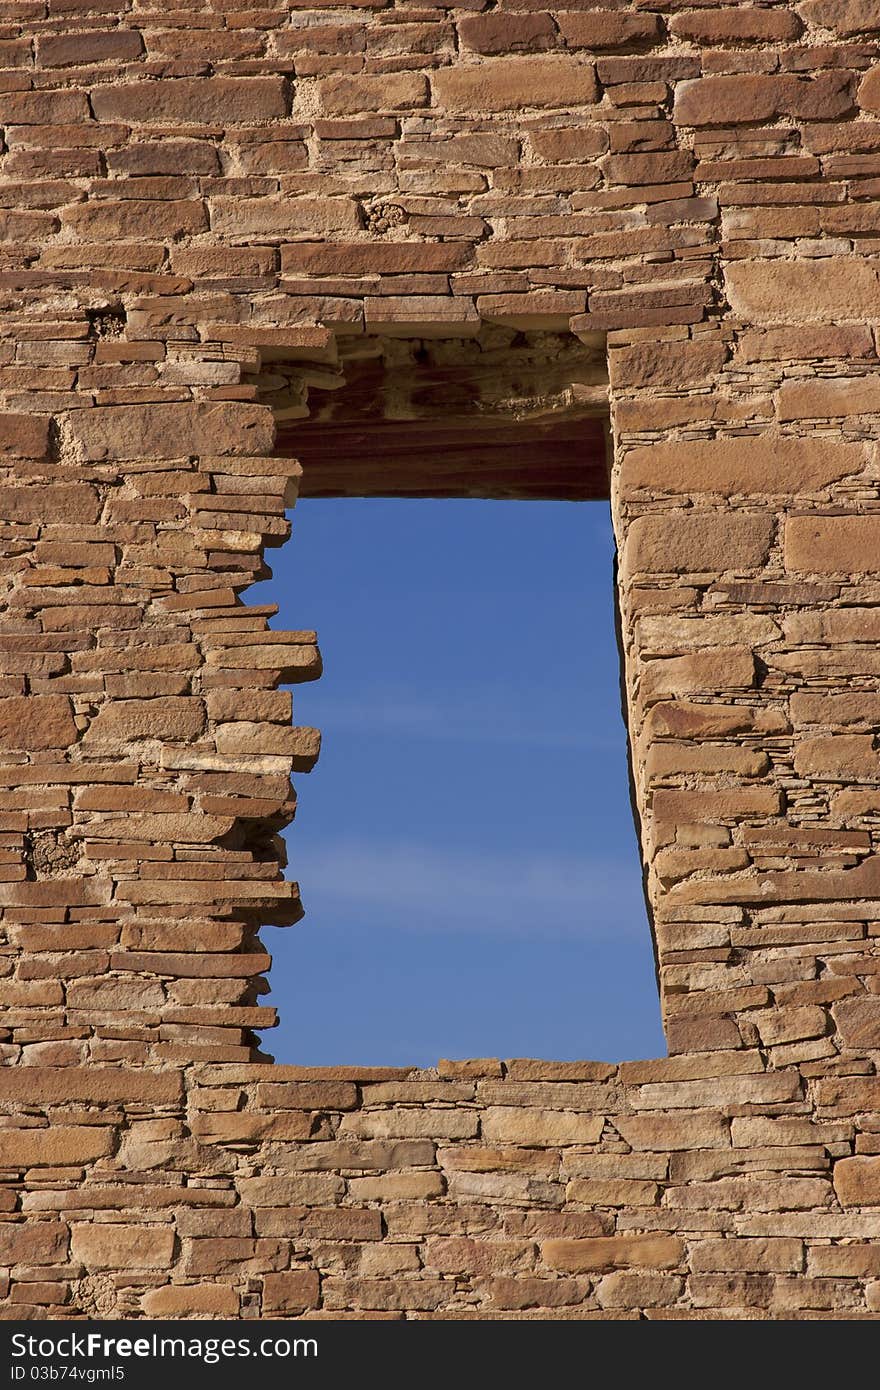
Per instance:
(465,845)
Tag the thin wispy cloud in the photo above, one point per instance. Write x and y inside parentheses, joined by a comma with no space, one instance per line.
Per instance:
(417,887)
(485,717)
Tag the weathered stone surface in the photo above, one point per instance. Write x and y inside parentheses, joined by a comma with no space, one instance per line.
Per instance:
(233,242)
(33,1243)
(833,544)
(745,23)
(791,291)
(173,431)
(857,1181)
(843,16)
(744,465)
(503,1124)
(842,757)
(111,1245)
(291,1292)
(191,1301)
(858,1022)
(613,1252)
(819,397)
(505,84)
(169,718)
(689,542)
(158,826)
(192,100)
(728,100)
(719,668)
(28,1148)
(37,722)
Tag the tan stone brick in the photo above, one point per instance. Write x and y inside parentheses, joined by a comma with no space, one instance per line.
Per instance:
(843,16)
(848,1095)
(709,807)
(44,108)
(781,291)
(857,1181)
(115,220)
(613,1252)
(744,465)
(191,1301)
(173,431)
(161,827)
(612,1192)
(624,1289)
(858,1022)
(719,668)
(597,28)
(418,1294)
(34,1243)
(691,542)
(359,258)
(850,1261)
(833,627)
(306,1095)
(242,1128)
(98,46)
(828,397)
(686,719)
(531,1292)
(496,33)
(462,1255)
(516,1125)
(729,1090)
(193,100)
(746,24)
(58,1145)
(734,1290)
(291,1292)
(24,436)
(410,1123)
(683,1130)
(63,502)
(111,1245)
(552,1095)
(397,1187)
(833,544)
(790,1024)
(36,722)
(840,757)
(90,1085)
(392,91)
(167,718)
(312,1189)
(869,88)
(755,1255)
(132,799)
(664,364)
(284,217)
(725,100)
(506,84)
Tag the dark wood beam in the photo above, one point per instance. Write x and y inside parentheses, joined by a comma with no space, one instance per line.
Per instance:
(561,458)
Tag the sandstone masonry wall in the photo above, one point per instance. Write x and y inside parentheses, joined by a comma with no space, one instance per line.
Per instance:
(201,212)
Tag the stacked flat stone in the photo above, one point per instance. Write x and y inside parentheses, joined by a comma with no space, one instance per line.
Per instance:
(200,210)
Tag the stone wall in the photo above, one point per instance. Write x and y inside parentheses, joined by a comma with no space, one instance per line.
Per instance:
(202,212)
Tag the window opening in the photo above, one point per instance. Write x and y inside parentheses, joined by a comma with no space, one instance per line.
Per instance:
(465,846)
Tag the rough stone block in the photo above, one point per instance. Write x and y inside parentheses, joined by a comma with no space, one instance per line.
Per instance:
(506,84)
(846,545)
(173,431)
(693,542)
(113,1245)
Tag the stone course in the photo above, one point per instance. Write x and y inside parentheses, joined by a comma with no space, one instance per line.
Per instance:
(210,219)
